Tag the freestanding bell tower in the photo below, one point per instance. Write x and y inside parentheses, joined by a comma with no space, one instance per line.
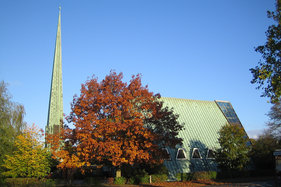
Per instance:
(55,113)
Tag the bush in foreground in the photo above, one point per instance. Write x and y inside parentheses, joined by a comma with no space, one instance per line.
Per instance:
(195,176)
(141,179)
(120,180)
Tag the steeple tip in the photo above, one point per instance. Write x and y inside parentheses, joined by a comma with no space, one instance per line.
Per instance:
(59,9)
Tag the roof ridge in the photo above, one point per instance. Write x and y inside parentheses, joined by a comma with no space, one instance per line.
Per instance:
(174,98)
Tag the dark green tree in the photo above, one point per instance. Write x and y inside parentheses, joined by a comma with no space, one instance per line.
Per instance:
(267,74)
(262,151)
(11,123)
(233,154)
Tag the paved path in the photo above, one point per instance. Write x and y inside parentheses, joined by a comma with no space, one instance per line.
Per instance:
(268,183)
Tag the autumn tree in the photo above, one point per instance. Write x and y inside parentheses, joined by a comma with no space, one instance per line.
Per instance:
(63,150)
(11,123)
(267,74)
(232,156)
(30,159)
(118,123)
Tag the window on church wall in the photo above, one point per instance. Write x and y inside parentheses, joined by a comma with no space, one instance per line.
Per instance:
(196,154)
(210,154)
(181,154)
(166,155)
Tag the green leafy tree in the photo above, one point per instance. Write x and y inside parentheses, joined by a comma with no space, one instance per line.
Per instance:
(262,151)
(30,159)
(268,72)
(233,154)
(11,123)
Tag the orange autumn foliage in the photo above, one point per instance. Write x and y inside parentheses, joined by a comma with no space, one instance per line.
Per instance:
(61,147)
(117,123)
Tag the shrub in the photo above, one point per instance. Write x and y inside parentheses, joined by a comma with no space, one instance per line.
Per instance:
(29,182)
(93,181)
(131,181)
(156,178)
(120,180)
(184,176)
(202,175)
(159,178)
(49,182)
(145,179)
(199,175)
(140,179)
(1,180)
(110,180)
(129,171)
(213,174)
(139,174)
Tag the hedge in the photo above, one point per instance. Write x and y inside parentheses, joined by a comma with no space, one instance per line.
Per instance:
(199,175)
(28,182)
(139,179)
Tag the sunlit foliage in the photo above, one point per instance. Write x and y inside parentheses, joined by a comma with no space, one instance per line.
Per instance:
(11,123)
(116,123)
(268,72)
(233,152)
(30,159)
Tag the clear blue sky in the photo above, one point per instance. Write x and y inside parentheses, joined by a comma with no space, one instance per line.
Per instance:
(200,50)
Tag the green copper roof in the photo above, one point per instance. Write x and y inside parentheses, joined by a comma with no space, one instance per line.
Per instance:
(55,113)
(203,120)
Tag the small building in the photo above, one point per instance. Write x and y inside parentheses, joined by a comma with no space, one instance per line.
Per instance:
(202,122)
(277,156)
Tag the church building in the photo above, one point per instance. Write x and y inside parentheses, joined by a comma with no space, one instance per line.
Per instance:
(202,122)
(202,119)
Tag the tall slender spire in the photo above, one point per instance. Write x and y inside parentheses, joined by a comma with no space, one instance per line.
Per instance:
(55,113)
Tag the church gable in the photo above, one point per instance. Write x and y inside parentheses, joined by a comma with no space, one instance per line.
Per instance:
(202,121)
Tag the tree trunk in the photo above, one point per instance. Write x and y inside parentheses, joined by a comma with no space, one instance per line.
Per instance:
(118,173)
